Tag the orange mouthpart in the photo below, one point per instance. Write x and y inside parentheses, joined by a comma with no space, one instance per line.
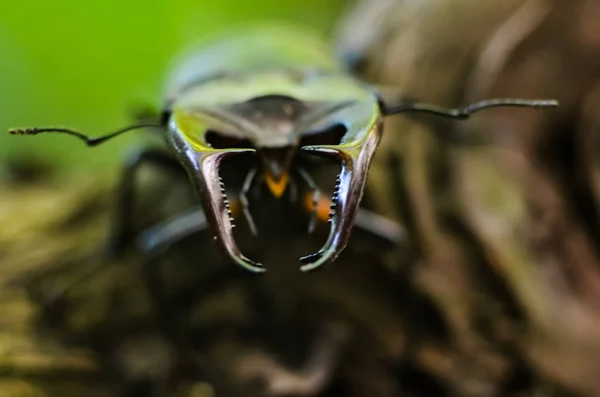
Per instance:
(323,206)
(277,187)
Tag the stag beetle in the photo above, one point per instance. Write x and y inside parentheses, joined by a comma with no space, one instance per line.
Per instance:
(280,94)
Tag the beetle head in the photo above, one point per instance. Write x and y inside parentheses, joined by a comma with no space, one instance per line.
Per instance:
(274,123)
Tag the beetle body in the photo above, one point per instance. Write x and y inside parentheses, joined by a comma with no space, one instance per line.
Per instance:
(257,96)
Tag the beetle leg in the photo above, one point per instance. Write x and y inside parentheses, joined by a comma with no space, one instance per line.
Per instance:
(316,195)
(293,190)
(153,241)
(167,233)
(389,232)
(122,234)
(244,200)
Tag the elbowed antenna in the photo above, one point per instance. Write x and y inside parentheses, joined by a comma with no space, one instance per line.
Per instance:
(88,141)
(464,113)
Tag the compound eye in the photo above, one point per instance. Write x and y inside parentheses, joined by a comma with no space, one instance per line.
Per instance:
(218,140)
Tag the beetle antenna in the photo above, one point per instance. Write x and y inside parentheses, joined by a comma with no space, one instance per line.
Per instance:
(88,141)
(464,113)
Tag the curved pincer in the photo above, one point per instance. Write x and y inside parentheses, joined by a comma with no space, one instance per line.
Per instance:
(203,169)
(355,162)
(217,208)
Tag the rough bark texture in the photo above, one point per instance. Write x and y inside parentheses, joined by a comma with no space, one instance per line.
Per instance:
(495,292)
(506,230)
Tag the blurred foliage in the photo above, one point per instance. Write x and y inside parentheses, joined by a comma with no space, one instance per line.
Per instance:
(84,65)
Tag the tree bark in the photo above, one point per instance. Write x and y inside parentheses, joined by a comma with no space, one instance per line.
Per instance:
(502,209)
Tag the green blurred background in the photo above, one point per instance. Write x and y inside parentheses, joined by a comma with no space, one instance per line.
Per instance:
(84,65)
